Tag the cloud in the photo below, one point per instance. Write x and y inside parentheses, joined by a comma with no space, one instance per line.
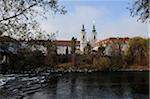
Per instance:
(88,13)
(69,25)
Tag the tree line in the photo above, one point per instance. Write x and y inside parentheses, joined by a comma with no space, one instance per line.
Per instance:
(136,54)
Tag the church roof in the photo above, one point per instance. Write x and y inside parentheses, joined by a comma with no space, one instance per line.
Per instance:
(111,40)
(65,43)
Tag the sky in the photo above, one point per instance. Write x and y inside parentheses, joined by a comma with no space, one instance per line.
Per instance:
(111,18)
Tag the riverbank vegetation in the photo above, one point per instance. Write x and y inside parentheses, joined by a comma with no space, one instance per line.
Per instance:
(32,57)
(19,19)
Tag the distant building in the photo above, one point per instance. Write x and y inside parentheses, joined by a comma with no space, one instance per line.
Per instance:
(83,38)
(108,44)
(62,45)
(111,40)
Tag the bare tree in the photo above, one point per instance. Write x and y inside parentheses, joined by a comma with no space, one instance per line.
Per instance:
(141,8)
(88,49)
(19,17)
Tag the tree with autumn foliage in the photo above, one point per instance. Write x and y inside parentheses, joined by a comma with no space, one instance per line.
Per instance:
(51,57)
(73,50)
(138,52)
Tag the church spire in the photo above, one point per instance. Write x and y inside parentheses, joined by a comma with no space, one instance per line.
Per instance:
(94,30)
(83,28)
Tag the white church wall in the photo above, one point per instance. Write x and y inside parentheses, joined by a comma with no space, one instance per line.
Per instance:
(62,50)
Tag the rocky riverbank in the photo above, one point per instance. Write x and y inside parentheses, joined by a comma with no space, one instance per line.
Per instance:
(21,85)
(136,68)
(63,68)
(89,70)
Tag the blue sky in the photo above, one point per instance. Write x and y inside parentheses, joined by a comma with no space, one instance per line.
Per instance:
(111,17)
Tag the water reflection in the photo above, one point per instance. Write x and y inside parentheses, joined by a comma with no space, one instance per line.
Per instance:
(102,85)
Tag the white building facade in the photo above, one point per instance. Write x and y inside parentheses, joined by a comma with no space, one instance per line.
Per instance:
(62,45)
(83,38)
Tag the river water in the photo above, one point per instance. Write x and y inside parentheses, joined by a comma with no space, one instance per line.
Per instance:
(97,85)
(100,85)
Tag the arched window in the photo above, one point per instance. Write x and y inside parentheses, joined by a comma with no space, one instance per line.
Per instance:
(94,37)
(83,37)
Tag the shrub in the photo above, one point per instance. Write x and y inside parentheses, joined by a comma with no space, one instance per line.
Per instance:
(102,63)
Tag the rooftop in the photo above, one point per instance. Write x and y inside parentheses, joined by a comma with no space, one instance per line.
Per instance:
(65,43)
(112,39)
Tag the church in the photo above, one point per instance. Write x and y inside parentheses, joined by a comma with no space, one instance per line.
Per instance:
(62,45)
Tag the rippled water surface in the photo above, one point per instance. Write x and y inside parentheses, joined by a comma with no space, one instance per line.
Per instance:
(100,85)
(97,85)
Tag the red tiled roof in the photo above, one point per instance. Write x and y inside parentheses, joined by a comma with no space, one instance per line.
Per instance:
(110,40)
(57,42)
(65,43)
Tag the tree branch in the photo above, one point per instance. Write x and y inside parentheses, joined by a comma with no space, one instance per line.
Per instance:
(16,15)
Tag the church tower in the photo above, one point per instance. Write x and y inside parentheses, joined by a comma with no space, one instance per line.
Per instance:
(94,35)
(83,41)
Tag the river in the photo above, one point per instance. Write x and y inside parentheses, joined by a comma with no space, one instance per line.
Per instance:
(97,85)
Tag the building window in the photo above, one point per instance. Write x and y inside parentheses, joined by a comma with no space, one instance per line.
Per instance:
(94,37)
